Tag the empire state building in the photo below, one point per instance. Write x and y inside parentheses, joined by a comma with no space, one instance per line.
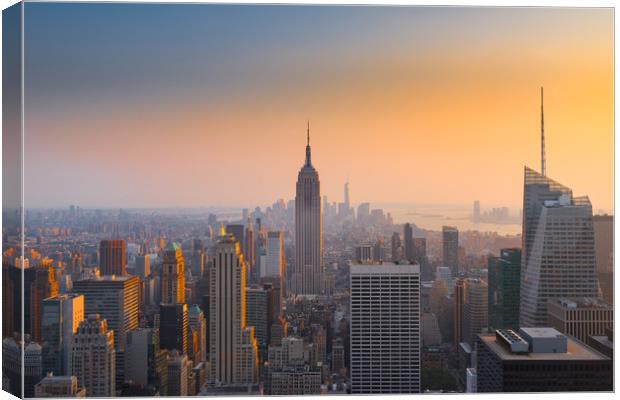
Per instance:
(307,276)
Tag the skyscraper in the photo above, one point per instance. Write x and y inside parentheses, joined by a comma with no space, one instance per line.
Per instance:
(537,189)
(115,298)
(460,298)
(408,235)
(173,275)
(476,215)
(504,289)
(308,272)
(197,323)
(143,265)
(178,369)
(233,351)
(112,257)
(144,359)
(173,327)
(92,357)
(62,315)
(275,255)
(396,247)
(385,328)
(559,251)
(451,249)
(475,316)
(604,247)
(39,282)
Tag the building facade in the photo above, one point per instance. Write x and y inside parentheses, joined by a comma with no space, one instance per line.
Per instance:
(385,328)
(504,289)
(93,359)
(233,352)
(558,259)
(173,275)
(580,317)
(115,299)
(307,274)
(62,315)
(112,257)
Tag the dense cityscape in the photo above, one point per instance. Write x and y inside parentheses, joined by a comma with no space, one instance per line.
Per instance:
(308,297)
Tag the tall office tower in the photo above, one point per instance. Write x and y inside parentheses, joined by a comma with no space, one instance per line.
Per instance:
(363,253)
(363,212)
(275,255)
(238,231)
(198,265)
(385,328)
(233,353)
(173,327)
(93,360)
(143,265)
(378,251)
(419,250)
(178,368)
(112,257)
(460,299)
(308,271)
(250,256)
(173,275)
(539,360)
(347,200)
(408,235)
(146,363)
(39,282)
(115,298)
(476,316)
(396,247)
(61,316)
(560,260)
(274,293)
(198,323)
(504,289)
(604,249)
(21,368)
(77,266)
(451,249)
(581,317)
(476,214)
(257,314)
(59,386)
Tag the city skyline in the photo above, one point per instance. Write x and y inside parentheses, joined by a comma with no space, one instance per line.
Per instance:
(388,94)
(246,267)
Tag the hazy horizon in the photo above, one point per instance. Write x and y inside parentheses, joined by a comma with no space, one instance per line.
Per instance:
(165,106)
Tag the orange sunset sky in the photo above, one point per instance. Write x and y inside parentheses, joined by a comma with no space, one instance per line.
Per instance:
(198,105)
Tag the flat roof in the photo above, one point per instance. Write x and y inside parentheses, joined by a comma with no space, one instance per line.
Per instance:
(109,278)
(385,268)
(575,352)
(542,333)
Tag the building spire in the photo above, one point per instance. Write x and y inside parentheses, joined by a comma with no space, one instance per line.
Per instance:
(308,162)
(542,134)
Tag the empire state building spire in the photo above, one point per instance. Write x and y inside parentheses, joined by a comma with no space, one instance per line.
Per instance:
(308,161)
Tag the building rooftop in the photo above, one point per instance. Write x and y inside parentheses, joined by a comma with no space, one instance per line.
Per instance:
(109,278)
(576,351)
(385,268)
(542,333)
(580,302)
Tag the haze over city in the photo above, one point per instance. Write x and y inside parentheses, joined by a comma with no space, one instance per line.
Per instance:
(207,106)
